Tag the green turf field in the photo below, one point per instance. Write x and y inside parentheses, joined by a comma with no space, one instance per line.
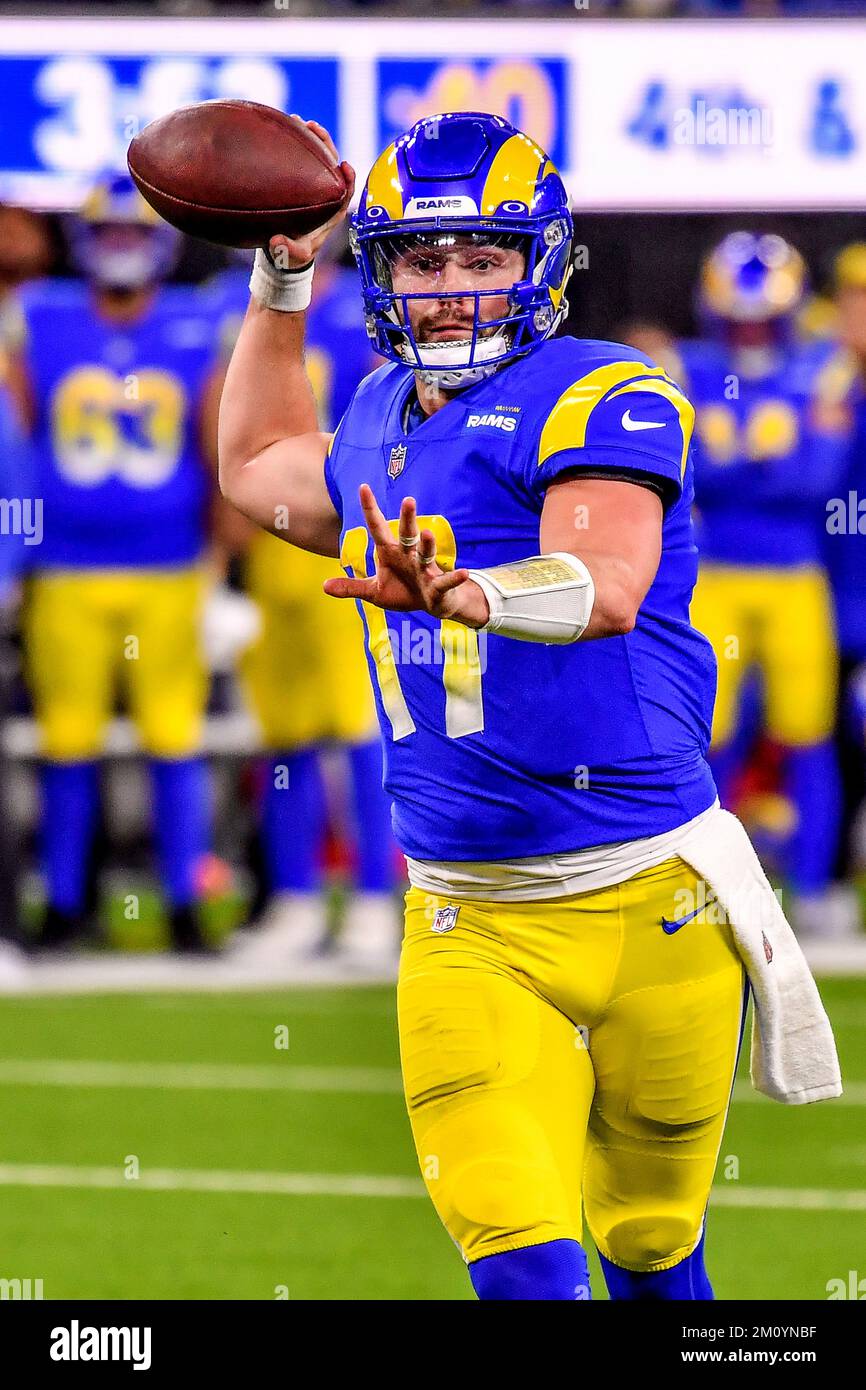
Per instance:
(266,1171)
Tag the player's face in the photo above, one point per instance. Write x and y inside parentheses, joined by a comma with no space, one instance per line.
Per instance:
(759,334)
(122,256)
(455,267)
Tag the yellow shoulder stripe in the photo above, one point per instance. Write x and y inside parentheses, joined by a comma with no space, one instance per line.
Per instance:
(567,423)
(683,406)
(565,427)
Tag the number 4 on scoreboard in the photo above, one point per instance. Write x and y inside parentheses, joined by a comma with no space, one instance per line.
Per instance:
(461,664)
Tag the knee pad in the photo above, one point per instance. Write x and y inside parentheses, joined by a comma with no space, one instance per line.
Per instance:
(685,1281)
(555,1270)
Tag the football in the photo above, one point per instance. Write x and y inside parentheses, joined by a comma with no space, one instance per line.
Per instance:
(236,172)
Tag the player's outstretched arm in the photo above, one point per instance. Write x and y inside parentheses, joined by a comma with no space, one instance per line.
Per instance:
(615,529)
(271,451)
(550,597)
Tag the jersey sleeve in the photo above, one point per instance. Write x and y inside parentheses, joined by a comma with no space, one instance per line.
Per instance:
(625,420)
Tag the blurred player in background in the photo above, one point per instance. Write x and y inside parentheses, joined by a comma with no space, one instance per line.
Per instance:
(25,254)
(846,537)
(653,339)
(772,445)
(20,525)
(306,680)
(115,365)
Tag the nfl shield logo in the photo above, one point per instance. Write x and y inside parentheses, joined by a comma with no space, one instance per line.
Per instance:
(768,950)
(397,460)
(445,919)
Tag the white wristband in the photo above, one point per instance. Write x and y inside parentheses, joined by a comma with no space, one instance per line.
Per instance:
(289,291)
(545,598)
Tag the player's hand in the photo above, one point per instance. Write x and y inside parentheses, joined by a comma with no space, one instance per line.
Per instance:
(290,254)
(407,576)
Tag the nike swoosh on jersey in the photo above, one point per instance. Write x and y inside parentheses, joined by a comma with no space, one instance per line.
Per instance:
(629,424)
(670,927)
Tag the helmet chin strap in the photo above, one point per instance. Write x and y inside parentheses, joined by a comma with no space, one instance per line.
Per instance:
(436,359)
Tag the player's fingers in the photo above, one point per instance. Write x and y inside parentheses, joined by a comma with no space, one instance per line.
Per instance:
(325,136)
(376,523)
(407,527)
(344,206)
(453,580)
(349,588)
(288,253)
(349,176)
(426,548)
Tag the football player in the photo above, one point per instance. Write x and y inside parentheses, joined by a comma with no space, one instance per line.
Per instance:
(306,679)
(569,1011)
(116,364)
(846,528)
(20,529)
(772,438)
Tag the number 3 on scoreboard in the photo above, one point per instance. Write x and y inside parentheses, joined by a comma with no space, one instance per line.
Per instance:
(461,664)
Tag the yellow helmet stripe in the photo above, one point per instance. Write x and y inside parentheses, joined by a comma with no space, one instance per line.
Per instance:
(565,426)
(383,186)
(513,174)
(683,406)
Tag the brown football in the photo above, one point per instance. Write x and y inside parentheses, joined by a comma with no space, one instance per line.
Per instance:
(236,172)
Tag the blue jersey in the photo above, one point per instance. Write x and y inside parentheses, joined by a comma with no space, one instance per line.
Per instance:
(845,546)
(116,436)
(764,468)
(497,748)
(337,351)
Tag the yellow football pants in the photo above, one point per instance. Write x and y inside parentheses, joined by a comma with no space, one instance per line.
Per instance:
(517,1122)
(782,622)
(306,674)
(86,632)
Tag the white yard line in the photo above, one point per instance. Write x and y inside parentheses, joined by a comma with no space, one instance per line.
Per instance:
(364,1185)
(207,1180)
(198,1076)
(788,1198)
(206,1076)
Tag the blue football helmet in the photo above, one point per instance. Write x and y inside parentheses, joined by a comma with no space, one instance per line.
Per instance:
(117,240)
(453,186)
(751,279)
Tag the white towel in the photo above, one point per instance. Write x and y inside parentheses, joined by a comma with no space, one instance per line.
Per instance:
(793,1050)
